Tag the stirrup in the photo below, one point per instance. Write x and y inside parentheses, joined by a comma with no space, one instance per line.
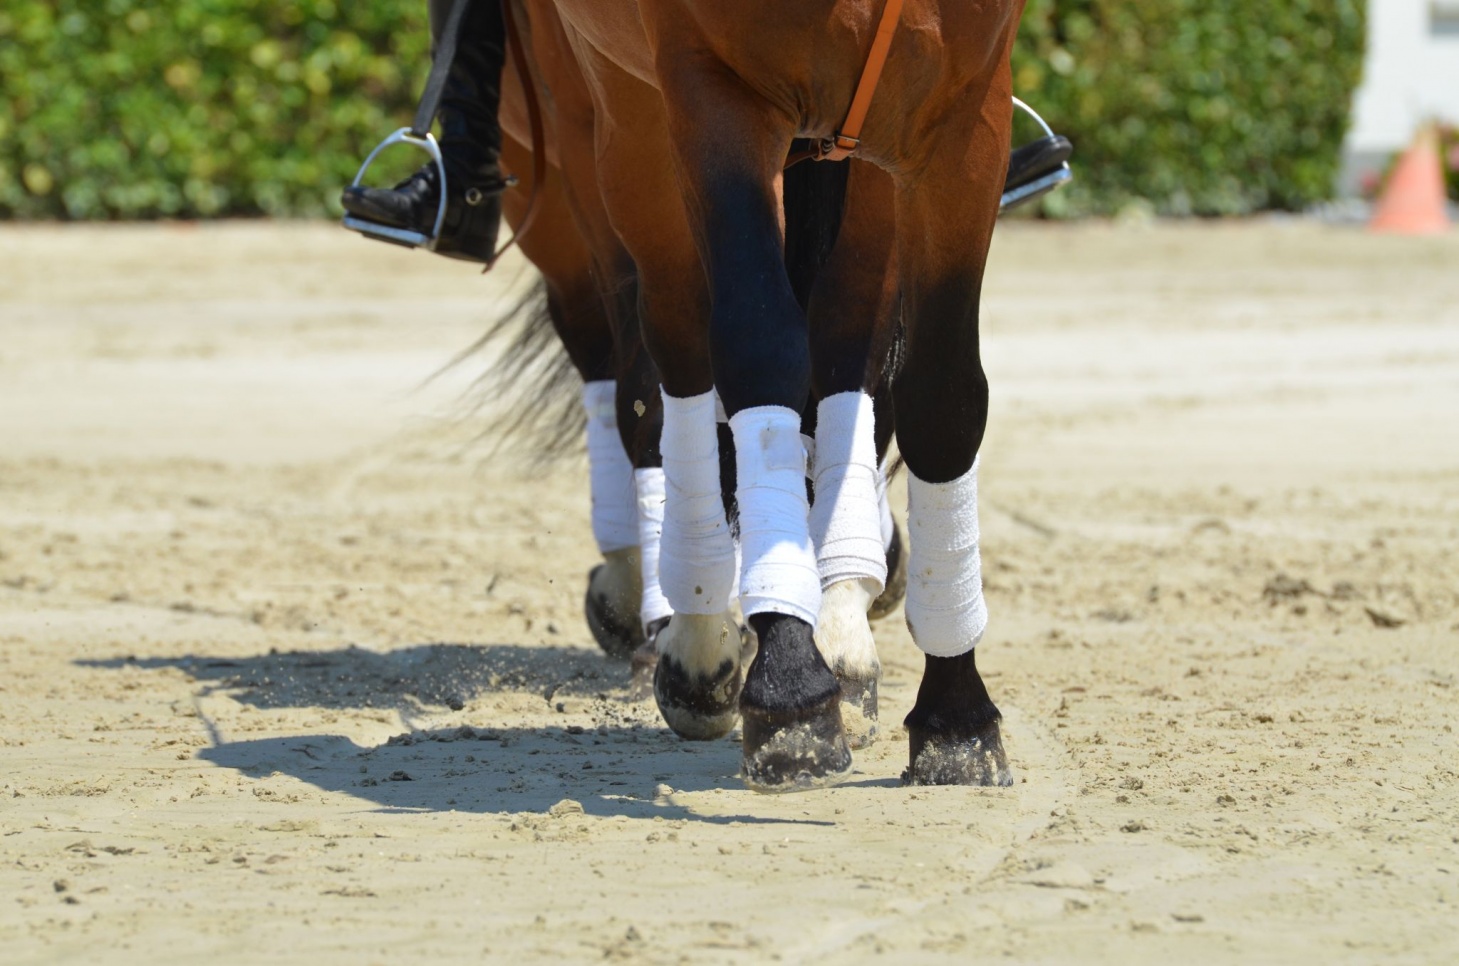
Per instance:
(390,233)
(1057,147)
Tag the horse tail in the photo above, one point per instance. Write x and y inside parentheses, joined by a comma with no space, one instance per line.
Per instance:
(814,199)
(529,387)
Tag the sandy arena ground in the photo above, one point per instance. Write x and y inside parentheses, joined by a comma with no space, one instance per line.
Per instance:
(292,670)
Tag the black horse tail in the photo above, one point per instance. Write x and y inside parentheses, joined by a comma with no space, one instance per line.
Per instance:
(529,386)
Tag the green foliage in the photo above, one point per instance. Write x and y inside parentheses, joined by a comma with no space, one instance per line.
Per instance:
(1191,106)
(135,109)
(1449,145)
(139,109)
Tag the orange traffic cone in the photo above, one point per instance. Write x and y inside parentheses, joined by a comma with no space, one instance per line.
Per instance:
(1413,201)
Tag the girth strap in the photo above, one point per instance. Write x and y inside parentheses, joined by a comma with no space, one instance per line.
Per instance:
(847,139)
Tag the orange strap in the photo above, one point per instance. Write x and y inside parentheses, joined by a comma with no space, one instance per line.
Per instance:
(846,140)
(534,120)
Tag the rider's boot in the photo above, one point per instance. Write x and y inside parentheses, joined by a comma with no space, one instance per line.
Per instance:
(471,141)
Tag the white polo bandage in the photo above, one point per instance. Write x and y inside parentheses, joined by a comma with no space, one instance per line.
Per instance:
(697,558)
(846,521)
(884,504)
(610,474)
(650,485)
(778,572)
(945,609)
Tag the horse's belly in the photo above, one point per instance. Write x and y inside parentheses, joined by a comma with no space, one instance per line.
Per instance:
(615,30)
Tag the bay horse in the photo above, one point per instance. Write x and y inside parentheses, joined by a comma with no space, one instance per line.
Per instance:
(672,122)
(567,325)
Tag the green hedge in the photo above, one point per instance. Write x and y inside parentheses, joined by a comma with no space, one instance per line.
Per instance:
(135,109)
(1194,106)
(132,109)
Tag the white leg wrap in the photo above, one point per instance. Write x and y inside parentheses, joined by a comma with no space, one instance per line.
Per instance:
(650,483)
(845,520)
(615,511)
(779,572)
(884,503)
(946,612)
(697,559)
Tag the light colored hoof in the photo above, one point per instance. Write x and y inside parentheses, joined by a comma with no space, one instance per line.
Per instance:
(610,605)
(697,679)
(858,710)
(843,636)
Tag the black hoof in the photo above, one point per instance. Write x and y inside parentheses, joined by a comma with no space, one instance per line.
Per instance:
(953,728)
(791,707)
(858,710)
(698,707)
(950,759)
(618,633)
(896,587)
(644,661)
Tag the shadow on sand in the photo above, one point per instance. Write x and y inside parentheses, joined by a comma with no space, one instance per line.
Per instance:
(609,756)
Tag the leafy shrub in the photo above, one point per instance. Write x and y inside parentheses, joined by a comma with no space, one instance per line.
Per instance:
(134,109)
(1449,145)
(1195,107)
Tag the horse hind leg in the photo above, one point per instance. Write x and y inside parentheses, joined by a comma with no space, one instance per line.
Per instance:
(730,146)
(697,674)
(579,317)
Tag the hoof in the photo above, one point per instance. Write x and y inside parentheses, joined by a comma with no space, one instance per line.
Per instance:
(644,660)
(858,710)
(794,738)
(844,639)
(697,680)
(896,587)
(951,759)
(611,610)
(792,752)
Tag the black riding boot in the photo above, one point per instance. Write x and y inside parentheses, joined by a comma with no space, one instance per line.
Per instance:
(471,142)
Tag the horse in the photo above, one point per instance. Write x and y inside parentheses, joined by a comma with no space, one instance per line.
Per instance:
(673,120)
(566,326)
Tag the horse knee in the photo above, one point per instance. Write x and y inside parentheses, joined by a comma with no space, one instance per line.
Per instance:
(941,415)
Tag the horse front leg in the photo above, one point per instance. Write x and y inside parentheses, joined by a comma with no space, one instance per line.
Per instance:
(624,605)
(729,147)
(853,307)
(945,224)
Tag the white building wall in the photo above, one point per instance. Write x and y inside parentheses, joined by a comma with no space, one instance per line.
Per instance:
(1410,74)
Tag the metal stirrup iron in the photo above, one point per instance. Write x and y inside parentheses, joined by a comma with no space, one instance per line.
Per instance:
(1047,169)
(419,135)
